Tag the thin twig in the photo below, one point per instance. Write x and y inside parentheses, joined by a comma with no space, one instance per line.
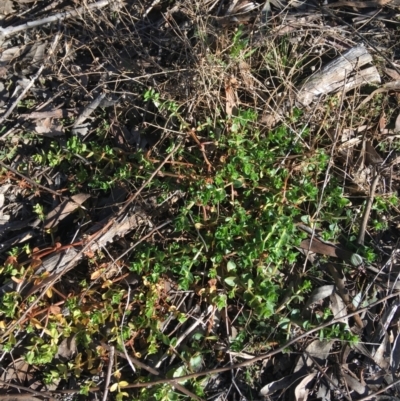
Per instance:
(149,369)
(111,352)
(253,360)
(40,394)
(156,171)
(367,210)
(33,183)
(263,356)
(128,300)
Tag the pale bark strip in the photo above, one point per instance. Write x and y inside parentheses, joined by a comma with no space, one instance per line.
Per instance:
(343,72)
(12,30)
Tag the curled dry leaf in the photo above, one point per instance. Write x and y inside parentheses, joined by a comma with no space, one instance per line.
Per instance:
(355,385)
(338,308)
(319,294)
(392,73)
(372,157)
(395,354)
(301,392)
(280,384)
(379,355)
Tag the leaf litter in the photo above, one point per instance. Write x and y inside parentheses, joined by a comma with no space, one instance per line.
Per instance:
(75,224)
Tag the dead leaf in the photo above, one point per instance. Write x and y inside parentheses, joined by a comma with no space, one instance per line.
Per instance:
(382,122)
(67,348)
(325,249)
(17,371)
(6,8)
(319,294)
(338,308)
(324,392)
(318,349)
(246,75)
(231,96)
(95,275)
(379,356)
(280,384)
(355,385)
(301,391)
(372,157)
(64,209)
(392,74)
(54,310)
(397,124)
(395,354)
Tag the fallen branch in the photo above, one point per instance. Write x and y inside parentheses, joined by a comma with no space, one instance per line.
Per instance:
(12,30)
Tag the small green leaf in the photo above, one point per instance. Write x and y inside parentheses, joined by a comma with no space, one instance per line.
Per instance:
(231,266)
(356,259)
(305,219)
(196,362)
(231,281)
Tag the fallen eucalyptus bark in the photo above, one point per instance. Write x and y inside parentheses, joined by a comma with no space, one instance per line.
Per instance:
(343,73)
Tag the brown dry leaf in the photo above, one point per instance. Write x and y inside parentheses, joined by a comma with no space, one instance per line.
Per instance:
(380,355)
(269,119)
(231,96)
(67,348)
(64,209)
(280,384)
(6,7)
(35,263)
(372,157)
(54,310)
(325,249)
(392,73)
(11,261)
(382,122)
(16,372)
